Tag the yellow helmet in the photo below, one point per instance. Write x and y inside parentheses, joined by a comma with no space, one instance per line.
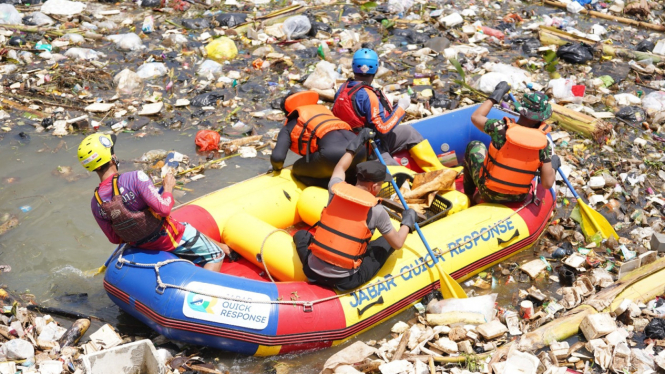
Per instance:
(95,150)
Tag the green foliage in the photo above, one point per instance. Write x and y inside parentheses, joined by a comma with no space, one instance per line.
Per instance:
(551,61)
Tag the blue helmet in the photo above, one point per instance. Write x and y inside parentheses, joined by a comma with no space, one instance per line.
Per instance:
(365,61)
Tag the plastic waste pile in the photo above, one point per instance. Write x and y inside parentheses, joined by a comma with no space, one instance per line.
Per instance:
(215,71)
(39,343)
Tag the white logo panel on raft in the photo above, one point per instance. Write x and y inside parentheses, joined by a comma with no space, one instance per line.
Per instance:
(230,312)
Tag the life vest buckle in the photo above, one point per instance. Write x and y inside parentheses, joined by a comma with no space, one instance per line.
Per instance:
(160,289)
(308,307)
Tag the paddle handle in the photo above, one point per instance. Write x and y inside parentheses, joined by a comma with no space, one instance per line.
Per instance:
(401,199)
(512,97)
(570,186)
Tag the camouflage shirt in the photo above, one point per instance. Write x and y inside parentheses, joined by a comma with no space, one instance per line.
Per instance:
(496,129)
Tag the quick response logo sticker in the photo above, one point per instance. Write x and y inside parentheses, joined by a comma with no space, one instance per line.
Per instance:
(230,312)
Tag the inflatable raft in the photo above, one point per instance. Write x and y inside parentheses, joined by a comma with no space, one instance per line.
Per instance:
(262,304)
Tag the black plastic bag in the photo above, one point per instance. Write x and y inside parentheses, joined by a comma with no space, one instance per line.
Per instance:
(319,26)
(655,329)
(16,41)
(231,19)
(195,24)
(645,46)
(411,36)
(632,114)
(151,3)
(253,90)
(530,47)
(575,53)
(505,26)
(207,99)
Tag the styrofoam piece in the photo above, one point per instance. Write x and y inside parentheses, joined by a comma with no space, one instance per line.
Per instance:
(105,338)
(139,357)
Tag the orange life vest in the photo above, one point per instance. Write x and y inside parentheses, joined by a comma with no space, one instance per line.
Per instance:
(314,121)
(342,234)
(511,169)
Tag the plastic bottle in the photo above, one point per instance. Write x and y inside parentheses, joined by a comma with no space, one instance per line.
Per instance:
(148,25)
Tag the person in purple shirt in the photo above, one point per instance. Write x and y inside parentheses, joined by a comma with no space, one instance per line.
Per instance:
(129,208)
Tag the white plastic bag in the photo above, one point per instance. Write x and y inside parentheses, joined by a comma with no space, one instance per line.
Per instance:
(479,304)
(74,38)
(451,20)
(323,77)
(562,88)
(40,19)
(17,349)
(488,82)
(127,42)
(152,70)
(62,7)
(627,99)
(209,67)
(127,82)
(399,6)
(83,54)
(9,15)
(296,27)
(175,39)
(106,25)
(654,102)
(574,7)
(517,77)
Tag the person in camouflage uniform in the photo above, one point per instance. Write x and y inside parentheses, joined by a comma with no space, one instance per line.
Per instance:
(534,109)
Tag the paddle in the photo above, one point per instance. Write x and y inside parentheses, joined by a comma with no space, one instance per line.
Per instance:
(452,289)
(102,268)
(592,221)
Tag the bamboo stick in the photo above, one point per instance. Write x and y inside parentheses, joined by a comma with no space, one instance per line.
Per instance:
(402,345)
(455,317)
(550,35)
(625,20)
(24,108)
(640,285)
(588,126)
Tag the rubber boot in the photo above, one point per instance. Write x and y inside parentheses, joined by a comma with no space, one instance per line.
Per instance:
(425,157)
(469,186)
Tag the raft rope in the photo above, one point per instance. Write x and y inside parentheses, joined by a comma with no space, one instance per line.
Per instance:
(307,305)
(263,244)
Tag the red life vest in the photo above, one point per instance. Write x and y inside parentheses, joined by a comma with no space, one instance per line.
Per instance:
(345,106)
(314,122)
(511,169)
(132,227)
(342,234)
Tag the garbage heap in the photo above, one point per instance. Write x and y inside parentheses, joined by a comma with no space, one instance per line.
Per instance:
(33,342)
(599,325)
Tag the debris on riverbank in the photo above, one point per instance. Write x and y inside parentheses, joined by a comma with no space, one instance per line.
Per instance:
(214,72)
(621,331)
(32,342)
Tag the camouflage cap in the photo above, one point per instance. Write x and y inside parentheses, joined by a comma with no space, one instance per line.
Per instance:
(536,106)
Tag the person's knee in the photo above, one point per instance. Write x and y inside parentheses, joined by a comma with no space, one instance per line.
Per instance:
(413,135)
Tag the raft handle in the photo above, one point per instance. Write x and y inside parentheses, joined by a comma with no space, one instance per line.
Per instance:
(363,310)
(118,264)
(308,307)
(160,289)
(515,235)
